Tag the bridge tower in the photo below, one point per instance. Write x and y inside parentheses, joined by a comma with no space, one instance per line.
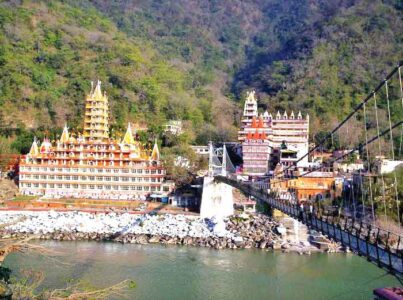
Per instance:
(217,199)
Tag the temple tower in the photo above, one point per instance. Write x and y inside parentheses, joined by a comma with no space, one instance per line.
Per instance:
(96,121)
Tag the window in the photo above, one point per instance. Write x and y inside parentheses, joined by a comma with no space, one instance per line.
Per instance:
(92,170)
(83,177)
(92,187)
(133,187)
(100,187)
(75,186)
(74,177)
(139,188)
(124,188)
(153,171)
(125,179)
(108,187)
(100,170)
(115,187)
(67,186)
(115,170)
(91,178)
(133,179)
(51,185)
(108,170)
(108,178)
(67,177)
(59,185)
(115,178)
(59,177)
(99,178)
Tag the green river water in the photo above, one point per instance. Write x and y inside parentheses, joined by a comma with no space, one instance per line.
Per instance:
(176,272)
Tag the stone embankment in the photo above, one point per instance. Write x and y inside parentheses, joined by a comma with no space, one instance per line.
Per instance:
(237,232)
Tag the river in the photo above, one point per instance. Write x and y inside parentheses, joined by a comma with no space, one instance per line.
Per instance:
(180,272)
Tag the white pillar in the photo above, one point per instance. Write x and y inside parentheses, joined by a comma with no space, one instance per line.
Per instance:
(224,161)
(217,200)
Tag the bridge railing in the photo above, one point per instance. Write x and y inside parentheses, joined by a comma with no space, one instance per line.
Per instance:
(378,245)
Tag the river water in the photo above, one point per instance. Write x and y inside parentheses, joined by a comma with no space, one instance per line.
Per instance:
(177,272)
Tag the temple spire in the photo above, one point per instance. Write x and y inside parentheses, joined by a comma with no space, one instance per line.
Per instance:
(128,138)
(34,148)
(65,135)
(155,155)
(250,108)
(96,122)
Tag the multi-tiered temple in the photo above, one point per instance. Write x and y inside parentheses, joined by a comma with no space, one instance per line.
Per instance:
(92,165)
(267,141)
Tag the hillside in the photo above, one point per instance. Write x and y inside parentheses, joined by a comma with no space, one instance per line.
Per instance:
(190,59)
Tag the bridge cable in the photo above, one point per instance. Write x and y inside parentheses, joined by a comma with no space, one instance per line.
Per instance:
(393,151)
(354,199)
(357,108)
(401,96)
(357,148)
(380,155)
(369,165)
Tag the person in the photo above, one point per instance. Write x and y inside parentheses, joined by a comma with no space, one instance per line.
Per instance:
(301,211)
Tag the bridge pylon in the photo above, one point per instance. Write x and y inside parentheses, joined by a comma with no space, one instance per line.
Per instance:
(217,199)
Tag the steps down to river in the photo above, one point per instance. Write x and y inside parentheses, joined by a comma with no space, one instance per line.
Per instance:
(296,231)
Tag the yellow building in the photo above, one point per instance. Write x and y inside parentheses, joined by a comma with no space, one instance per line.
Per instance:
(310,187)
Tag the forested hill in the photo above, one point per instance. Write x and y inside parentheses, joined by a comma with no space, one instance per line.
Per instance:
(192,59)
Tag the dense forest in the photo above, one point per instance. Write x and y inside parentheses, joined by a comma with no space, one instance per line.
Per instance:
(192,60)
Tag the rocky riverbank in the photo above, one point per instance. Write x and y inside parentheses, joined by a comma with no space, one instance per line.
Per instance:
(236,232)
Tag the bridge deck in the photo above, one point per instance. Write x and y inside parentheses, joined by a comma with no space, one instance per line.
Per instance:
(359,237)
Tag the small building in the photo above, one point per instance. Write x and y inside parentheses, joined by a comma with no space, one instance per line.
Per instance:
(313,186)
(384,166)
(347,167)
(200,150)
(187,197)
(173,127)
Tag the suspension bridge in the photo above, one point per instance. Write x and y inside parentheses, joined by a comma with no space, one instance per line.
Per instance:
(369,205)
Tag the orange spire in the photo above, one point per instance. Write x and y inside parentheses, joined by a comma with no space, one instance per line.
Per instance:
(254,125)
(260,124)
